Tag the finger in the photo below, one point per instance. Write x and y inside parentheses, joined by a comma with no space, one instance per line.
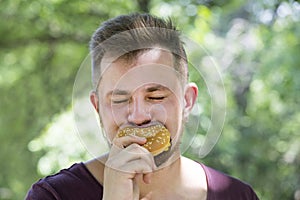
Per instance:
(131,153)
(131,166)
(119,144)
(125,141)
(147,178)
(136,166)
(140,152)
(147,197)
(136,190)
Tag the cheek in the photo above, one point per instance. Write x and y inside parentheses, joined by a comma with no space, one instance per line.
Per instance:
(159,112)
(174,118)
(112,117)
(119,114)
(107,121)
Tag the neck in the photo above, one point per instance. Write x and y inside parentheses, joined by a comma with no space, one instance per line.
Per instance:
(167,177)
(178,180)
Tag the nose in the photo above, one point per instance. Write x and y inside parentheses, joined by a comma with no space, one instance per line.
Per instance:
(139,112)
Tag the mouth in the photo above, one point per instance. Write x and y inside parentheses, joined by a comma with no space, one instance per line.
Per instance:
(140,126)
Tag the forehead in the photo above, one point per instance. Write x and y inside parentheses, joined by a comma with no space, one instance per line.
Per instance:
(150,67)
(151,56)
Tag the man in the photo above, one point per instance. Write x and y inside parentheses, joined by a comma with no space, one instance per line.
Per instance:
(140,79)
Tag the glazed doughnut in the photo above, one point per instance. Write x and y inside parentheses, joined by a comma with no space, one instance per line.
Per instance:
(158,137)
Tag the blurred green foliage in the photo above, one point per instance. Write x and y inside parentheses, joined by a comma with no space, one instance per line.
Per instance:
(256,45)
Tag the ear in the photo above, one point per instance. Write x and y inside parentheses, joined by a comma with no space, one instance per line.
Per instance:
(94,100)
(190,96)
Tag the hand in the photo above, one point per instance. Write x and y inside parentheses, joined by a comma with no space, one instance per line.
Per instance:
(127,161)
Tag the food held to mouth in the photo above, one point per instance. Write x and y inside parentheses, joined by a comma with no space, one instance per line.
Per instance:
(158,137)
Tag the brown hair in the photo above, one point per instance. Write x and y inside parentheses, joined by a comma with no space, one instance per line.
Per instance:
(127,35)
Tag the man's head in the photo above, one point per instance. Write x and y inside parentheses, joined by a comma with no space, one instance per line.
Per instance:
(140,75)
(127,36)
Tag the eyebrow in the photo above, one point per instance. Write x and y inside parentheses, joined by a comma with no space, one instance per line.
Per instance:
(118,92)
(148,89)
(155,88)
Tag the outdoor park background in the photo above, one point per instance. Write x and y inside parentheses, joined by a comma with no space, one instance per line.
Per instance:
(256,44)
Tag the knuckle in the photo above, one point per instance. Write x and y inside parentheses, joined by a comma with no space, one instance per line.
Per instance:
(117,142)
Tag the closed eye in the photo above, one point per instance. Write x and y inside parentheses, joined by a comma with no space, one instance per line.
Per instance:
(118,96)
(119,101)
(157,98)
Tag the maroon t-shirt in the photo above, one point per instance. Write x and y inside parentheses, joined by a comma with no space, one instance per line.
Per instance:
(78,183)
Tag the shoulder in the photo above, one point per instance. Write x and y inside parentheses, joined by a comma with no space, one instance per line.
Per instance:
(223,186)
(69,183)
(96,167)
